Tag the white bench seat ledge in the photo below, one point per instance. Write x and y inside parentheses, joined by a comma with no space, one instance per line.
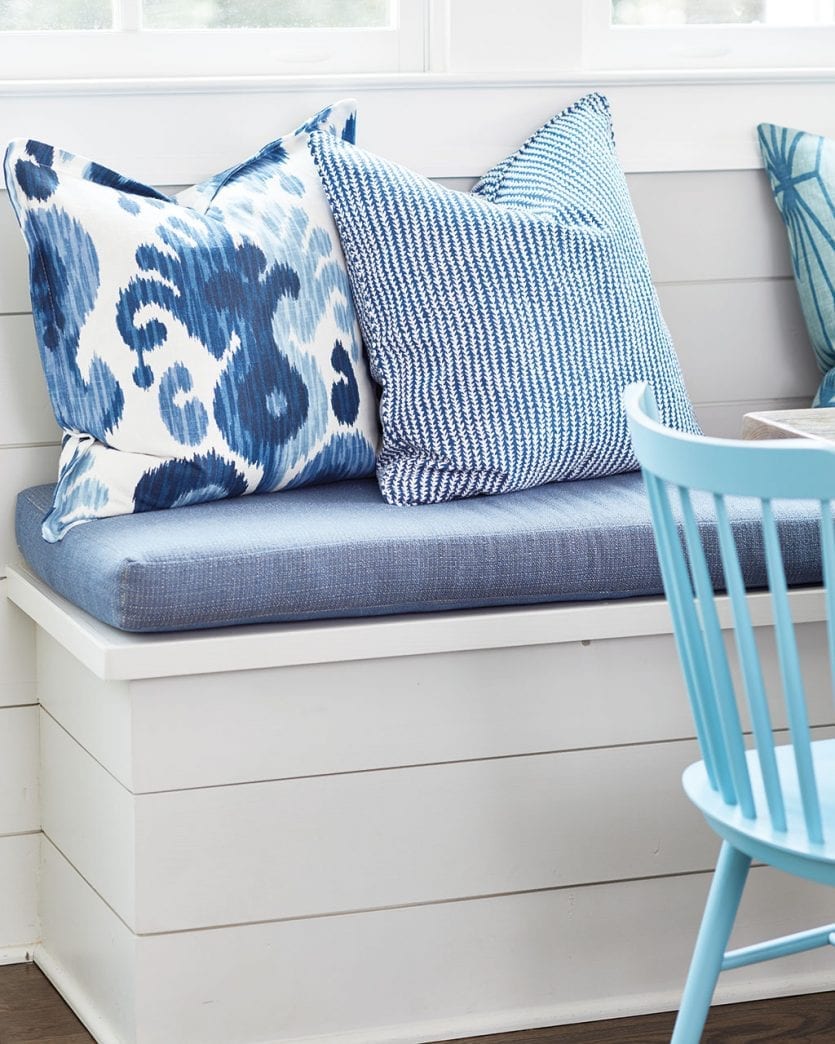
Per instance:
(398,829)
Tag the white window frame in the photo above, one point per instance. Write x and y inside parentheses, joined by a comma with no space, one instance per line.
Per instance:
(606,46)
(130,52)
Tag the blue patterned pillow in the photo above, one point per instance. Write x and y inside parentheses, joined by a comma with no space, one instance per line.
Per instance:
(801,169)
(503,335)
(195,347)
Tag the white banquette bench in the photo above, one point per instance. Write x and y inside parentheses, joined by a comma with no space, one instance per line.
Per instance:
(414,827)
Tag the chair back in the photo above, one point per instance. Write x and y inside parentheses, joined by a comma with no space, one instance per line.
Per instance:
(674,465)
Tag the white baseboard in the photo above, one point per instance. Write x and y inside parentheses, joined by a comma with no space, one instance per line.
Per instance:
(75,996)
(16,954)
(780,985)
(562,1015)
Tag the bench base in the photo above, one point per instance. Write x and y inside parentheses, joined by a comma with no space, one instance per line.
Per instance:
(396,848)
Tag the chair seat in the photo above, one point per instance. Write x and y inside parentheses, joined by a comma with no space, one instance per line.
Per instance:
(340,551)
(788,850)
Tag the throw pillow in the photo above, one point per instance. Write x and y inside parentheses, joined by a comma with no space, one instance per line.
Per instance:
(801,169)
(503,335)
(195,347)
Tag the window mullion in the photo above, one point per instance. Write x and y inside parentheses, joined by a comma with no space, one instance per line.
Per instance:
(413,25)
(127,15)
(438,32)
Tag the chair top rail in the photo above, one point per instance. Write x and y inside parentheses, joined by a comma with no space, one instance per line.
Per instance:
(729,466)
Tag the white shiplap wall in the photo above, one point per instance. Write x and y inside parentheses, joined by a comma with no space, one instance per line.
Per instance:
(28,453)
(719,259)
(19,811)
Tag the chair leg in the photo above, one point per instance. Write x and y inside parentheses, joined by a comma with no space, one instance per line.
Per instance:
(706,963)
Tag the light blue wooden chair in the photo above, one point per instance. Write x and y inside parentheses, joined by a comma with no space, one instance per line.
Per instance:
(774,803)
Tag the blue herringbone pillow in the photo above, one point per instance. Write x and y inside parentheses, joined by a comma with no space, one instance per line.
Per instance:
(503,336)
(801,169)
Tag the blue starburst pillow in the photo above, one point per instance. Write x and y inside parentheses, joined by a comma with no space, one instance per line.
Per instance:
(503,325)
(196,347)
(801,169)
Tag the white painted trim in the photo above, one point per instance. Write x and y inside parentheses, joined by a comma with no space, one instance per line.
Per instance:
(398,45)
(438,36)
(430,81)
(566,1015)
(442,125)
(75,997)
(127,15)
(16,955)
(644,47)
(108,53)
(475,1025)
(113,654)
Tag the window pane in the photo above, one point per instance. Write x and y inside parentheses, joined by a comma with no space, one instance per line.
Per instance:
(56,14)
(723,12)
(265,14)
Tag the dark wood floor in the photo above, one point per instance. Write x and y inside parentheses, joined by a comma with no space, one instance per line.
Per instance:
(31,1012)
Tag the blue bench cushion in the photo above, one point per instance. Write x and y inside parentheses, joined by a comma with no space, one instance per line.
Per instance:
(340,551)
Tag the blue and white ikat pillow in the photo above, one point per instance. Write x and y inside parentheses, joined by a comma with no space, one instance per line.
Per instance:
(503,325)
(195,347)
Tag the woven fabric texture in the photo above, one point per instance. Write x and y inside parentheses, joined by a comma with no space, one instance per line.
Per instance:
(340,551)
(503,335)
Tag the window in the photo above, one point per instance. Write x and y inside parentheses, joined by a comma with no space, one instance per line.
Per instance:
(722,12)
(264,14)
(59,39)
(55,14)
(675,34)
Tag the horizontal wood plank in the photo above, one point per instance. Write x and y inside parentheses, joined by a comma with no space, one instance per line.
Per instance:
(710,225)
(19,811)
(697,226)
(19,856)
(20,466)
(370,839)
(17,654)
(25,412)
(173,733)
(100,714)
(414,836)
(724,420)
(324,845)
(14,264)
(412,975)
(740,340)
(167,133)
(88,815)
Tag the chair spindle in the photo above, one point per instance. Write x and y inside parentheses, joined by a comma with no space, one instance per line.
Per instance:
(749,661)
(792,680)
(679,593)
(717,657)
